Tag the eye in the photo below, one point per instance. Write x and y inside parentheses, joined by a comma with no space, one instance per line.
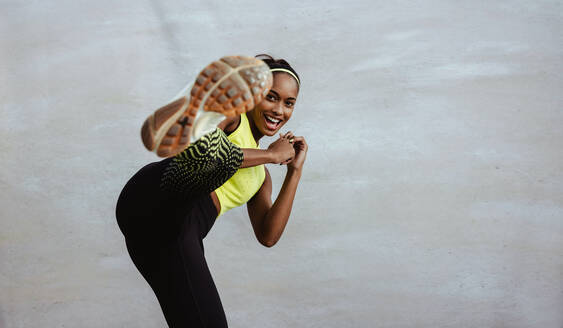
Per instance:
(289,104)
(271,97)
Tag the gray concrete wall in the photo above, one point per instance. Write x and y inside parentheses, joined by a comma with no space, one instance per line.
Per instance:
(432,194)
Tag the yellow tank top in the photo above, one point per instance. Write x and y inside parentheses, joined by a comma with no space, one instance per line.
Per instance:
(246,181)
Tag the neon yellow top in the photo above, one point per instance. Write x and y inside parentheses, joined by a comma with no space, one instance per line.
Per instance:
(246,181)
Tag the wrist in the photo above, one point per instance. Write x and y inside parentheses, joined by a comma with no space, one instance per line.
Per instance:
(292,170)
(270,156)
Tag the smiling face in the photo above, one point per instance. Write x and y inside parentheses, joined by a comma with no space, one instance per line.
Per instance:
(276,108)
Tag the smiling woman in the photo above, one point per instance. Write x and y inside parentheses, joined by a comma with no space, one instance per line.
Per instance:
(213,163)
(273,113)
(270,115)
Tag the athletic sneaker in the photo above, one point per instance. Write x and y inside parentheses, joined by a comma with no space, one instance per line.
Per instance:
(226,87)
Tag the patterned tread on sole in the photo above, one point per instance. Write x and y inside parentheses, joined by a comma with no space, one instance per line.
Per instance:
(157,120)
(202,167)
(232,85)
(229,86)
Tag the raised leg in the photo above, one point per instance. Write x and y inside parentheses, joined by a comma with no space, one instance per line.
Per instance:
(226,87)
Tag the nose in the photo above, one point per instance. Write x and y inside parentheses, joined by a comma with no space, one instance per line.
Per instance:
(278,109)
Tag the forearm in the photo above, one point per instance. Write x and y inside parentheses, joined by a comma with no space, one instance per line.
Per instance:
(276,218)
(255,157)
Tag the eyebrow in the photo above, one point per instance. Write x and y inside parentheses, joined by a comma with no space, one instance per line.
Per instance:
(277,94)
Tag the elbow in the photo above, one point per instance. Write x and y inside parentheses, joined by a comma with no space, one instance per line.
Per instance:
(268,242)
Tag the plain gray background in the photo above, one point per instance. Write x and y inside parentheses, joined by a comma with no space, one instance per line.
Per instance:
(432,195)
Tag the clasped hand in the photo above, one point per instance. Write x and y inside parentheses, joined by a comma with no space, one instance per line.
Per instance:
(288,149)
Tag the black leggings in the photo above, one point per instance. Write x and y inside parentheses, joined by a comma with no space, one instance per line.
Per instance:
(164,237)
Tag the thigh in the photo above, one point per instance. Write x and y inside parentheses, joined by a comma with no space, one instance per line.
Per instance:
(178,273)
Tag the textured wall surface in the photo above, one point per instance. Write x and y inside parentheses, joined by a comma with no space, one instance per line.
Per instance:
(432,194)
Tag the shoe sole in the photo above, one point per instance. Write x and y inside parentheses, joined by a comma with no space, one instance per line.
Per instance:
(227,87)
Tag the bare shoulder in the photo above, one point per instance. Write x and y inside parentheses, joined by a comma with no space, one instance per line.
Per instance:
(229,124)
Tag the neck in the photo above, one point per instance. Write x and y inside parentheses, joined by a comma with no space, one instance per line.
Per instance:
(255,132)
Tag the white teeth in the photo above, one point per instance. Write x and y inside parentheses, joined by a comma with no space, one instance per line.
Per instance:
(271,119)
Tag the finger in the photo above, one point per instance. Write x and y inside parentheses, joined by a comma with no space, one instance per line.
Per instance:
(288,135)
(296,140)
(287,162)
(300,140)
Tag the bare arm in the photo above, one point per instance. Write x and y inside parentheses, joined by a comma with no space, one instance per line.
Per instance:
(272,155)
(269,220)
(254,157)
(279,151)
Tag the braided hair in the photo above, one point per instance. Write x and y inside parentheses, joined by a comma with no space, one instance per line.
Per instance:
(279,63)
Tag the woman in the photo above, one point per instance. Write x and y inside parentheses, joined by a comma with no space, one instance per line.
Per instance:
(168,207)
